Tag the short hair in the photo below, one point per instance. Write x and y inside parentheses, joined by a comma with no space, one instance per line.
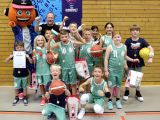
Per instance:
(135,27)
(94,27)
(64,32)
(108,24)
(115,33)
(73,23)
(55,66)
(19,43)
(100,67)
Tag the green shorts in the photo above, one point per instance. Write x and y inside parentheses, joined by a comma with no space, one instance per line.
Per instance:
(69,76)
(20,82)
(57,110)
(115,79)
(97,100)
(43,80)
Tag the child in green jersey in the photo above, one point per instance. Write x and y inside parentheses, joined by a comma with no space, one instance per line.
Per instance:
(66,51)
(42,67)
(99,90)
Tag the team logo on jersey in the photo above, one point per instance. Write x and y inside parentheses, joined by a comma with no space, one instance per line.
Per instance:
(70,49)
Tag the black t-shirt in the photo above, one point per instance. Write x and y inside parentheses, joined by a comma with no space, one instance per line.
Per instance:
(54,99)
(21,72)
(46,27)
(134,53)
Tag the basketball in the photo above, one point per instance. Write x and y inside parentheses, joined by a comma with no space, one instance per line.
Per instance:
(96,51)
(50,57)
(144,53)
(57,87)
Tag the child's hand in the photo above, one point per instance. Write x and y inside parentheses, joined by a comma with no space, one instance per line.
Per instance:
(65,18)
(81,89)
(136,60)
(100,93)
(67,92)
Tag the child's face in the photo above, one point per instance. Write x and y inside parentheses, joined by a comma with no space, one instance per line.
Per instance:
(19,48)
(40,42)
(64,39)
(72,28)
(135,33)
(109,29)
(48,33)
(117,38)
(55,72)
(94,32)
(97,73)
(87,35)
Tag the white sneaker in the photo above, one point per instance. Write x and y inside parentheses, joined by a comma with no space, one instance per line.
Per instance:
(141,99)
(125,98)
(81,114)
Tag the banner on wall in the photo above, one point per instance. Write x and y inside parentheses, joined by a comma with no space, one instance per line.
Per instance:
(45,6)
(61,8)
(72,9)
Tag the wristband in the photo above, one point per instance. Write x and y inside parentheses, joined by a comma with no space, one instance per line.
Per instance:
(107,94)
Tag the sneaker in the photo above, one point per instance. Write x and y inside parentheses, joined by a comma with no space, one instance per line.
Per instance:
(43,101)
(25,101)
(118,104)
(81,114)
(21,96)
(126,94)
(139,96)
(15,101)
(110,105)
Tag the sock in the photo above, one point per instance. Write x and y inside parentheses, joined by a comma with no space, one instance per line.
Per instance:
(126,93)
(109,100)
(117,99)
(138,94)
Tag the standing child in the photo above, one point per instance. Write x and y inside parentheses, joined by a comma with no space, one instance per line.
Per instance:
(20,75)
(85,50)
(96,36)
(42,67)
(134,45)
(114,67)
(99,90)
(56,103)
(66,59)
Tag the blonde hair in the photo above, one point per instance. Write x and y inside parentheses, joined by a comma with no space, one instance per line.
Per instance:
(116,33)
(39,37)
(55,66)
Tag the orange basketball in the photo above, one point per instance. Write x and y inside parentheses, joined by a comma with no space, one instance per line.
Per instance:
(96,51)
(57,87)
(50,57)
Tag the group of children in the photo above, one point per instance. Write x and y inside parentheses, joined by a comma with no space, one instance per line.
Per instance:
(105,73)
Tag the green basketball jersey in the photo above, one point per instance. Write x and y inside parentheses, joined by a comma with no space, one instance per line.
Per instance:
(117,58)
(42,67)
(85,52)
(66,55)
(95,88)
(107,40)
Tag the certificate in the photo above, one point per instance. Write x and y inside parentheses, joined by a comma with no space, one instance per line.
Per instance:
(19,59)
